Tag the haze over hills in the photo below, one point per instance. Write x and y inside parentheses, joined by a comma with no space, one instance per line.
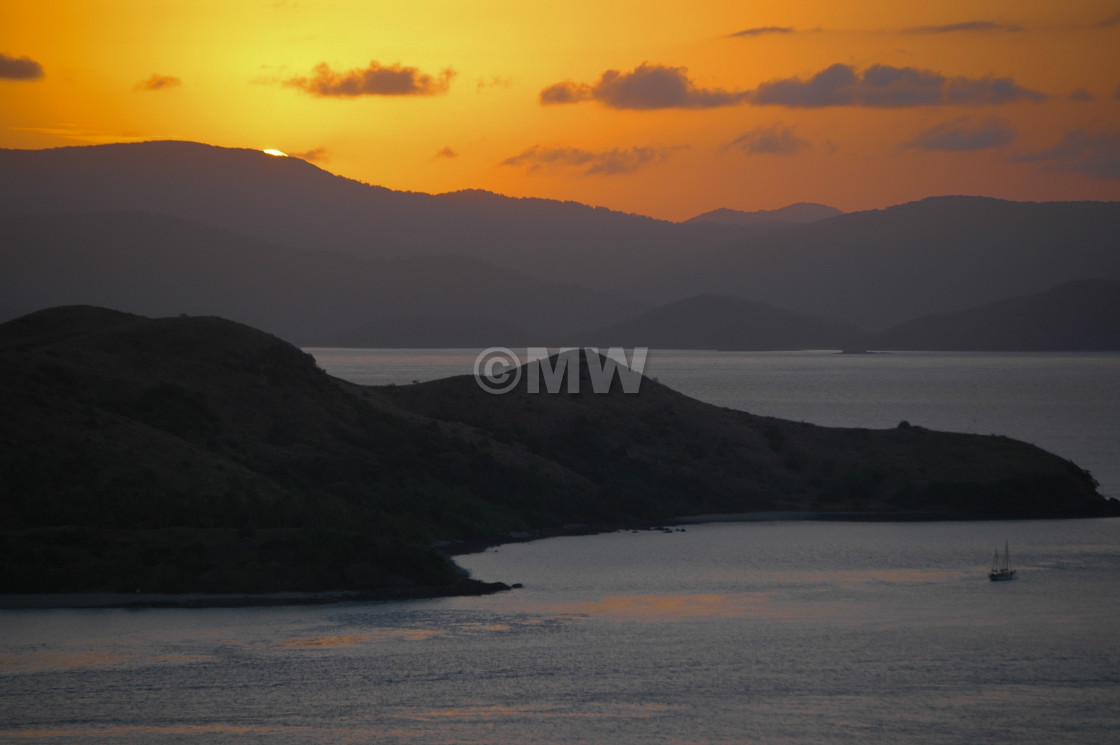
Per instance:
(186,454)
(436,332)
(147,263)
(543,266)
(1075,316)
(879,268)
(290,202)
(724,322)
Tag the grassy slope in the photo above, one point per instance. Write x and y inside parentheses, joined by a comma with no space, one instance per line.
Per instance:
(197,454)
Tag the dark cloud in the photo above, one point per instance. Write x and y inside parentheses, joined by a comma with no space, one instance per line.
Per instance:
(159,82)
(777,139)
(964,134)
(314,155)
(884,86)
(19,68)
(834,86)
(375,80)
(961,91)
(567,92)
(1112,20)
(447,152)
(1082,96)
(1082,151)
(606,162)
(953,28)
(762,31)
(646,87)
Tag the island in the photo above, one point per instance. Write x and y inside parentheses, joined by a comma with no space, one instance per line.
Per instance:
(165,456)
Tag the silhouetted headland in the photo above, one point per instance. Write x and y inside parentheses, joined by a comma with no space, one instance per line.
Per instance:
(194,454)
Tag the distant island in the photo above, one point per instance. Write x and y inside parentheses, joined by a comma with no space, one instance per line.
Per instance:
(194,454)
(162,228)
(1080,316)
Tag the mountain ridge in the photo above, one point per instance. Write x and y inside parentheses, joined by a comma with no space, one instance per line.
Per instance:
(874,269)
(1082,315)
(879,268)
(796,213)
(161,265)
(725,322)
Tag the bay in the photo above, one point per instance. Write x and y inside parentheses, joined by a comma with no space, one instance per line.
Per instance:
(771,632)
(792,632)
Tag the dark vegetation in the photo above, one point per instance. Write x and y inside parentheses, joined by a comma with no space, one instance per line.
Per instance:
(196,454)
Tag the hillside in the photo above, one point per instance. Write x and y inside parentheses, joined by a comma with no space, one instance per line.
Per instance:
(289,202)
(879,268)
(158,265)
(725,323)
(874,269)
(1076,316)
(193,453)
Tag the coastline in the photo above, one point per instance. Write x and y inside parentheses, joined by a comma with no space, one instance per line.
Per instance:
(140,601)
(467,586)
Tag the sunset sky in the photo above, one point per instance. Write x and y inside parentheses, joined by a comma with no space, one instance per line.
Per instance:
(664,109)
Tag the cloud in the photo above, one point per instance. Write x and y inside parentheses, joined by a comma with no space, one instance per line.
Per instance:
(375,80)
(884,86)
(1082,151)
(314,155)
(606,162)
(776,139)
(19,68)
(762,31)
(963,134)
(159,82)
(1082,96)
(1112,20)
(568,91)
(495,81)
(447,152)
(646,87)
(953,28)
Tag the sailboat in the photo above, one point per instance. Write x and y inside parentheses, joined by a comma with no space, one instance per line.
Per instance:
(1001,569)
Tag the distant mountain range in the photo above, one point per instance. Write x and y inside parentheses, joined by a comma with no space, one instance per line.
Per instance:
(1075,316)
(1082,315)
(167,227)
(289,202)
(147,263)
(879,268)
(723,322)
(794,214)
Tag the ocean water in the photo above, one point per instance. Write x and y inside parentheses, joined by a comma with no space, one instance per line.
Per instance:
(787,632)
(1067,403)
(769,632)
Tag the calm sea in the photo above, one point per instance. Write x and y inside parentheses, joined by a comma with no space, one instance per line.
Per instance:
(781,632)
(728,633)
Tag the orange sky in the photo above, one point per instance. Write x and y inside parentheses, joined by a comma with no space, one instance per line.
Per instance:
(711,104)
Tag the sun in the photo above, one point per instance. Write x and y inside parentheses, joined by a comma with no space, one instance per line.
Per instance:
(277,153)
